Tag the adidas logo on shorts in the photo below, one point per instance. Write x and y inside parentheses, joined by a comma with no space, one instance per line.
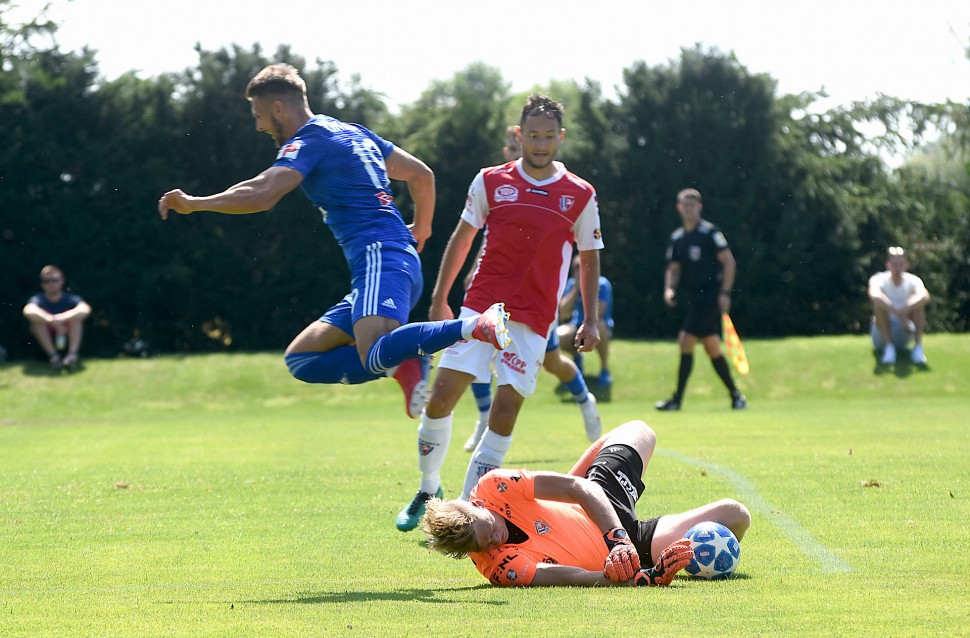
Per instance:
(389,303)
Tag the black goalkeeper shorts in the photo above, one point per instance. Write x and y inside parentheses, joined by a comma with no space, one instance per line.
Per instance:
(617,469)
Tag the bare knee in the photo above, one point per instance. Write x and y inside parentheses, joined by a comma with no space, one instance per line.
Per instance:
(733,515)
(637,435)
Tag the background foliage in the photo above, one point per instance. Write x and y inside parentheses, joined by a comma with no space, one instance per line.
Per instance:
(806,200)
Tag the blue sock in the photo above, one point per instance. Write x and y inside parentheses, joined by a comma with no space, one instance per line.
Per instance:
(578,388)
(411,341)
(340,365)
(483,396)
(578,360)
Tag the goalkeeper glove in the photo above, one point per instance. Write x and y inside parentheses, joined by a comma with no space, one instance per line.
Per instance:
(623,561)
(672,560)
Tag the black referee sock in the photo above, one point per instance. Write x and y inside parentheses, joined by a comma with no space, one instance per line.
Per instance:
(721,366)
(686,364)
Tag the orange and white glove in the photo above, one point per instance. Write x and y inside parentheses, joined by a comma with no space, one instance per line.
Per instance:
(673,559)
(623,561)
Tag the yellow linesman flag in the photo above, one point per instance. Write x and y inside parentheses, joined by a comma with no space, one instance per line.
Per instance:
(732,342)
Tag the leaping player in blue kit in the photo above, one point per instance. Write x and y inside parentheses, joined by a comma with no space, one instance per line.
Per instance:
(345,171)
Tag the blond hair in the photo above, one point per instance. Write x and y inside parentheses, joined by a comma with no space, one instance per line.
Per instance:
(449,524)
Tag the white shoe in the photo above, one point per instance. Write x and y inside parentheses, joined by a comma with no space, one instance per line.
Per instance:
(591,417)
(889,354)
(917,355)
(476,436)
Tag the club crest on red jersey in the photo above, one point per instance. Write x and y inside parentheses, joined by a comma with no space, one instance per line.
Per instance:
(290,151)
(542,528)
(506,193)
(566,202)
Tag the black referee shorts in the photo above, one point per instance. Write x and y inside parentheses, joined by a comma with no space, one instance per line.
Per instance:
(617,469)
(703,317)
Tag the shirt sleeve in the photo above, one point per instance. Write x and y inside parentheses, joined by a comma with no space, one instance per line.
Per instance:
(720,243)
(386,147)
(586,230)
(672,253)
(916,285)
(511,568)
(476,203)
(301,154)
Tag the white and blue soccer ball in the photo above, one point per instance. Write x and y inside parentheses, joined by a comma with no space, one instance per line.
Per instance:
(716,551)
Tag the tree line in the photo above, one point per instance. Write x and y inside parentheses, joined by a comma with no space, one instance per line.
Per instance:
(806,200)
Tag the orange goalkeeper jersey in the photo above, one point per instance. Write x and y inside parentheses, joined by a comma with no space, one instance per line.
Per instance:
(559,533)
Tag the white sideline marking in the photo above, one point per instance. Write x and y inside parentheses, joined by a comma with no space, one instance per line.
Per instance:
(748,495)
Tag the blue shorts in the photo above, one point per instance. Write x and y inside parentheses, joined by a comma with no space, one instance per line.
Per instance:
(386,281)
(605,296)
(553,343)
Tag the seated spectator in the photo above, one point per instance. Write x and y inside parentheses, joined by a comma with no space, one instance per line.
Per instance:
(571,313)
(899,309)
(57,319)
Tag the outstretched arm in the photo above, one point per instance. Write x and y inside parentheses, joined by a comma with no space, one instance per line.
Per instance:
(563,575)
(451,262)
(403,166)
(251,196)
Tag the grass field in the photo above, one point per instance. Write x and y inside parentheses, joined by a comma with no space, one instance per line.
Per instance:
(215,496)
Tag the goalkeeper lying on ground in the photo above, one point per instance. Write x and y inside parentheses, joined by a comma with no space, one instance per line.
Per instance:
(545,528)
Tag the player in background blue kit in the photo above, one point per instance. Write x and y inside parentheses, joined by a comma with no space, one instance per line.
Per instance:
(345,171)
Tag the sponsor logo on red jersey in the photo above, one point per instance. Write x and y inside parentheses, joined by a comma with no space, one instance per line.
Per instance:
(290,151)
(506,193)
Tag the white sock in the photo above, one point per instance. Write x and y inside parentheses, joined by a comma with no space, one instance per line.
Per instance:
(433,438)
(487,456)
(468,326)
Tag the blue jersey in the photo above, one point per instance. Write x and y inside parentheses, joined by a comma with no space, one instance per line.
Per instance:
(605,302)
(345,177)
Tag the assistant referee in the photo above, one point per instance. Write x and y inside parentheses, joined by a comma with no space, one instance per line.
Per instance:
(701,264)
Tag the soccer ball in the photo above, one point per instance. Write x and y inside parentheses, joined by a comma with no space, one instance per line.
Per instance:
(716,551)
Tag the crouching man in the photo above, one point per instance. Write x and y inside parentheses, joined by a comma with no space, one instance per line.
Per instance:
(544,528)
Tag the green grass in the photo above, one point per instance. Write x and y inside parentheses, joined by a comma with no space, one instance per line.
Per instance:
(259,506)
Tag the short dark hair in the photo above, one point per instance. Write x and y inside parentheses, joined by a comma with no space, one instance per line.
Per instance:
(538,104)
(277,80)
(693,193)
